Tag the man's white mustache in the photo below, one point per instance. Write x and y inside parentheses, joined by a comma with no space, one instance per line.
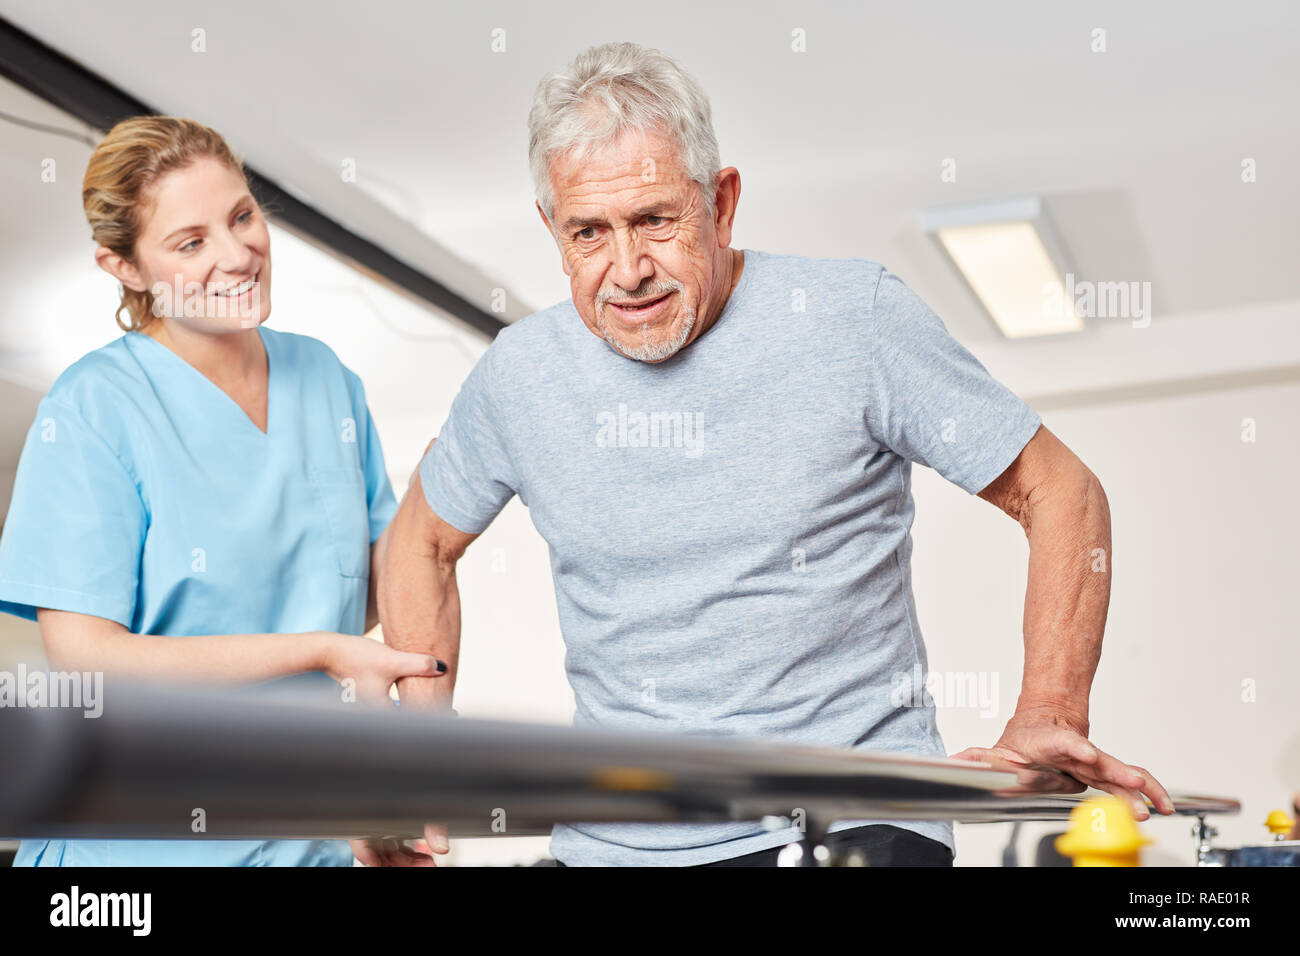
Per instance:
(655,292)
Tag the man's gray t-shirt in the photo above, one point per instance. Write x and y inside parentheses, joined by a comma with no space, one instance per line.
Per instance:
(729,529)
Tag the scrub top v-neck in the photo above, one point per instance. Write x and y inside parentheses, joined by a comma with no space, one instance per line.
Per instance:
(219,397)
(146,495)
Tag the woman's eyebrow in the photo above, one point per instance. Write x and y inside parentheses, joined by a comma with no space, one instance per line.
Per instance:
(174,232)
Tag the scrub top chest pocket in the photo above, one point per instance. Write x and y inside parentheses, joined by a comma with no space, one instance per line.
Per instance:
(342,496)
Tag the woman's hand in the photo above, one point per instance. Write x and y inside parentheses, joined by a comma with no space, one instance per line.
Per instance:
(374,667)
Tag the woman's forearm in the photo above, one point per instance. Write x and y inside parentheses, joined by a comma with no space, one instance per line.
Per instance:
(80,642)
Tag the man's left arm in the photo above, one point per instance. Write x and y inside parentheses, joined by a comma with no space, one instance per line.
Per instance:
(1063,509)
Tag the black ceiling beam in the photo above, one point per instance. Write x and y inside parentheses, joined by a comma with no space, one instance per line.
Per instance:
(95,101)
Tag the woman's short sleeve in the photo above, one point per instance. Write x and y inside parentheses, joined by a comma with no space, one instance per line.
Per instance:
(380,501)
(75,528)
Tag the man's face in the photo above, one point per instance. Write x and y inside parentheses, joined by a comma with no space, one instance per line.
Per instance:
(641,250)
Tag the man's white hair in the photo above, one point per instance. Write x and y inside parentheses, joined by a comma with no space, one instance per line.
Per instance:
(608,90)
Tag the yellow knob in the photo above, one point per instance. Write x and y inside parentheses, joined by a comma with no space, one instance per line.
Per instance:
(1102,832)
(1278,823)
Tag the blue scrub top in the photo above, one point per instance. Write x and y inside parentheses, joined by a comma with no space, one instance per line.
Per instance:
(147,496)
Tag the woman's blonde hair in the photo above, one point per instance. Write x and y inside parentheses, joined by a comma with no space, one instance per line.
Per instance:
(126,164)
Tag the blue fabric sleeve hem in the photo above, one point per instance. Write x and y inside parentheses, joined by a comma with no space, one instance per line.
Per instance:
(22,600)
(1005,452)
(381,519)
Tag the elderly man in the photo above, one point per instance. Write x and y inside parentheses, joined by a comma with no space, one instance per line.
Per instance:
(716,444)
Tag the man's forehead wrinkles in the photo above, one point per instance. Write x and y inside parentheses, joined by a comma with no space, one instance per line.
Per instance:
(592,175)
(628,181)
(599,170)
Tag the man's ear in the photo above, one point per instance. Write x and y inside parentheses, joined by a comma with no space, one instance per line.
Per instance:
(725,198)
(119,268)
(564,263)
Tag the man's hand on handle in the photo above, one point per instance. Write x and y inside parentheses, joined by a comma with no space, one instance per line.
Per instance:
(387,851)
(1048,738)
(419,608)
(379,851)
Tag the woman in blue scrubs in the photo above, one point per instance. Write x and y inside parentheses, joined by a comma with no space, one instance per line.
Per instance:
(203,498)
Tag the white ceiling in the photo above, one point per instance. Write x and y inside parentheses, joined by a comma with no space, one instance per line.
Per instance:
(1138,149)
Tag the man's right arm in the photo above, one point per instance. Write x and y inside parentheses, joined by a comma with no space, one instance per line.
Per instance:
(419,604)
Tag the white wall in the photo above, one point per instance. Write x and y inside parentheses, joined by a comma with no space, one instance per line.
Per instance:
(1204,572)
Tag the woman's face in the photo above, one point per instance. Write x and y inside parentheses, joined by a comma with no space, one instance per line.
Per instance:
(204,250)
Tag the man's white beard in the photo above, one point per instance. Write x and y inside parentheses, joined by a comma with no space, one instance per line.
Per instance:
(650,352)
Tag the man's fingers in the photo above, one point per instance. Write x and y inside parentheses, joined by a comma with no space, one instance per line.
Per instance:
(435,834)
(409,857)
(1066,746)
(374,851)
(389,853)
(1072,753)
(378,851)
(1118,778)
(999,758)
(364,851)
(1152,787)
(1112,768)
(1081,750)
(1134,799)
(399,854)
(1116,771)
(1115,783)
